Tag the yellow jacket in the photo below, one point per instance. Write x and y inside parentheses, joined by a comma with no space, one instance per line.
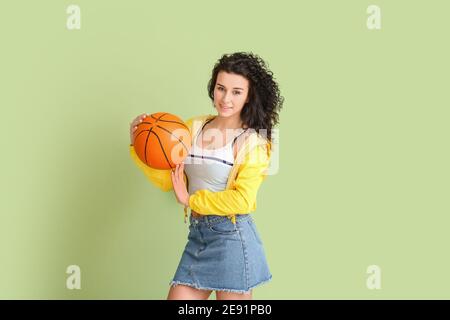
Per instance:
(239,197)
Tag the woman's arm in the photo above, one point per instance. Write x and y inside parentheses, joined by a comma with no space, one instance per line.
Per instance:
(242,198)
(159,177)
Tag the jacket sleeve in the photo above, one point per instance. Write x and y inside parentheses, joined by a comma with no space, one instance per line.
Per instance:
(241,199)
(159,177)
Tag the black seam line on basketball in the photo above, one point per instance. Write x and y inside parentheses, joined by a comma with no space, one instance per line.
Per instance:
(162,120)
(143,123)
(187,150)
(164,152)
(211,158)
(162,115)
(159,116)
(140,133)
(146,142)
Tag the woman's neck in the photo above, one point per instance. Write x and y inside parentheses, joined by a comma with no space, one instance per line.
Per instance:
(223,123)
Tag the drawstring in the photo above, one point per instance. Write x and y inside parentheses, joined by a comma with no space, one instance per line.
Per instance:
(186,207)
(232,218)
(185,214)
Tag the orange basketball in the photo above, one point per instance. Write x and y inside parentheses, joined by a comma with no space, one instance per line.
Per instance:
(162,140)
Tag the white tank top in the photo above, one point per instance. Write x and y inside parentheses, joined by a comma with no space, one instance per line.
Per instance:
(209,168)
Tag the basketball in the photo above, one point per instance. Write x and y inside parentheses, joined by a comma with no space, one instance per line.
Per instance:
(162,140)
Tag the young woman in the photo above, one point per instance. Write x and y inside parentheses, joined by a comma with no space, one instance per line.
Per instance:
(219,181)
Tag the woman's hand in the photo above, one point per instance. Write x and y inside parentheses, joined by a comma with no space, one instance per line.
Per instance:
(134,123)
(179,187)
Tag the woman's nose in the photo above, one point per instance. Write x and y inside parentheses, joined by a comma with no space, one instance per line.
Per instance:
(226,97)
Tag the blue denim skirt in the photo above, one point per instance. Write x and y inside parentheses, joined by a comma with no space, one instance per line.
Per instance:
(222,256)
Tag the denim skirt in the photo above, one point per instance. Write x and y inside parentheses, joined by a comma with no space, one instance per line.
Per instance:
(222,256)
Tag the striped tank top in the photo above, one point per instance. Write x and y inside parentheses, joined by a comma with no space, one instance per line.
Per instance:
(209,168)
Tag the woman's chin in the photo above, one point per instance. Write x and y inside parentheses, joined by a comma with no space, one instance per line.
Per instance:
(225,112)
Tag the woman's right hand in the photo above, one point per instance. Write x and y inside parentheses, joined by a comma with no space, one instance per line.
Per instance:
(134,123)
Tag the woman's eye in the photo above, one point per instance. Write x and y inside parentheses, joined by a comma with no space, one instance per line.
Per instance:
(235,92)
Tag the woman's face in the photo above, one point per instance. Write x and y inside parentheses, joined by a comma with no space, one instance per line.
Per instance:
(230,94)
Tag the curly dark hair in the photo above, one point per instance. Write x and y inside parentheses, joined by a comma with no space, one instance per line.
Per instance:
(265,101)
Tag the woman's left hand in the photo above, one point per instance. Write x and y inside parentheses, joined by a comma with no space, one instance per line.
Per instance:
(179,187)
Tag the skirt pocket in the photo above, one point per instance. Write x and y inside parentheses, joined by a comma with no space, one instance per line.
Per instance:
(223,226)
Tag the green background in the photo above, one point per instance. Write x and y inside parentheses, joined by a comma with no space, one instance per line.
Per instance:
(363,175)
